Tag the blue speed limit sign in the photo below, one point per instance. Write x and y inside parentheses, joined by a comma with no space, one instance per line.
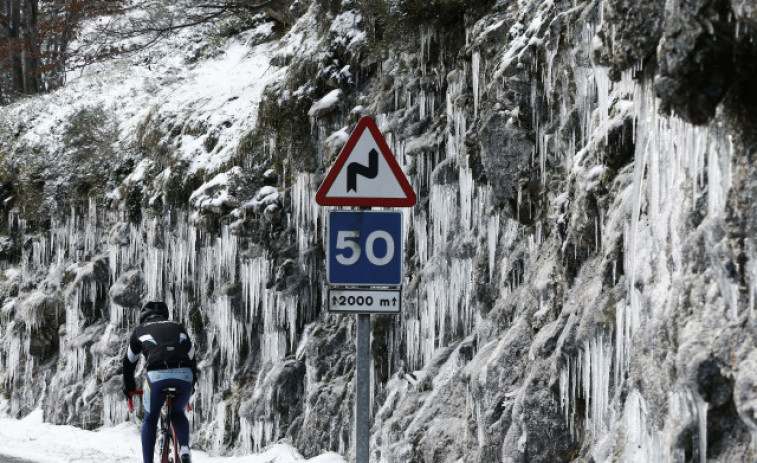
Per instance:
(365,248)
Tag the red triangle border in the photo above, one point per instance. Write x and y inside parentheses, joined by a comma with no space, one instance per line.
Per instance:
(366,122)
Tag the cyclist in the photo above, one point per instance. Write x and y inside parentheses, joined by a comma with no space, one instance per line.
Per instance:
(170,362)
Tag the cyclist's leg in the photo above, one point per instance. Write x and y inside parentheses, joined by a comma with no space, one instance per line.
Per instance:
(153,402)
(178,418)
(181,379)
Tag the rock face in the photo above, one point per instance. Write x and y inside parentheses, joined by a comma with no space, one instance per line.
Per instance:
(581,266)
(127,291)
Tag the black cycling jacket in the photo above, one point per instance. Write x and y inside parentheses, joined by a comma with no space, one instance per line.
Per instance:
(164,343)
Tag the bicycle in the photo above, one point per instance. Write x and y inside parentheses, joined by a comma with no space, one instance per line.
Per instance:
(166,432)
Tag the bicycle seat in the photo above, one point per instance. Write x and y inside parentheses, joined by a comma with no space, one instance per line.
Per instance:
(169,391)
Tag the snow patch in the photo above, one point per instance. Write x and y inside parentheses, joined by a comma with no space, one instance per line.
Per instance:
(265,197)
(32,439)
(326,104)
(346,31)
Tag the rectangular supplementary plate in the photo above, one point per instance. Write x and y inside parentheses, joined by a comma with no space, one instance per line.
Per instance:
(365,301)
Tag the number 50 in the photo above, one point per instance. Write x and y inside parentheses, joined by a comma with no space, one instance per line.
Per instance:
(349,240)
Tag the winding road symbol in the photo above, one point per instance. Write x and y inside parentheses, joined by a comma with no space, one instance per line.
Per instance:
(354,169)
(366,154)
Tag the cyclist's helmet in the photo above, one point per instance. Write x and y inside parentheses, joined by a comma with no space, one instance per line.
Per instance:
(153,309)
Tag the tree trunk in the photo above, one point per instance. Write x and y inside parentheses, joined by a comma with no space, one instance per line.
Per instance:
(15,46)
(71,17)
(33,78)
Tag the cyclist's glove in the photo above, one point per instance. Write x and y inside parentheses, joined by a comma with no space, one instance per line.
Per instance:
(129,389)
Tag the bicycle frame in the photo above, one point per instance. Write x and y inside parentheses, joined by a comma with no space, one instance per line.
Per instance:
(166,432)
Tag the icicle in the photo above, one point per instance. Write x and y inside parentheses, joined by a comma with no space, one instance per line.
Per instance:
(565,388)
(641,444)
(701,407)
(475,72)
(467,188)
(443,207)
(492,240)
(307,214)
(589,376)
(422,105)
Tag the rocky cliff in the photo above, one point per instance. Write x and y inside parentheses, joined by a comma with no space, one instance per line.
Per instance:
(581,266)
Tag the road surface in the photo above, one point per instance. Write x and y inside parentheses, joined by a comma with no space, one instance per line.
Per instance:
(4,459)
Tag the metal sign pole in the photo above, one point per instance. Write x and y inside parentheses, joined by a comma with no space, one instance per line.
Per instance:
(363,389)
(364,249)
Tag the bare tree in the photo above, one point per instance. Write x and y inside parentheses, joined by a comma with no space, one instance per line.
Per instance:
(34,41)
(159,18)
(36,35)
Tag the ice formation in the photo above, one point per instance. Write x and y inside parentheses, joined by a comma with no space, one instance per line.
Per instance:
(574,286)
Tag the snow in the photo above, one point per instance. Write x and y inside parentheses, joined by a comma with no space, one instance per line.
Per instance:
(266,196)
(137,175)
(32,439)
(217,97)
(186,102)
(346,31)
(224,92)
(326,103)
(214,101)
(214,193)
(338,139)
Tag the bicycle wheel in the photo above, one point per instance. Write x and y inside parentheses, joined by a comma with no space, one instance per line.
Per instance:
(175,445)
(165,450)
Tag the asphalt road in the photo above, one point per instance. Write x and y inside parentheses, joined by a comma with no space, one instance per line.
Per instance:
(4,459)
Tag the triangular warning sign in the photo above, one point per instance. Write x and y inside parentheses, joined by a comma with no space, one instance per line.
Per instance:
(366,174)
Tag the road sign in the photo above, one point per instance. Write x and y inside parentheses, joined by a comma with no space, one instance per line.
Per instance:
(366,174)
(386,301)
(364,248)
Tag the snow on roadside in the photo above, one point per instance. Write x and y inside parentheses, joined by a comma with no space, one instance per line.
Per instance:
(31,439)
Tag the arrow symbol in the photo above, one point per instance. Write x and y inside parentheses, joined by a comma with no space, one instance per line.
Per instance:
(354,169)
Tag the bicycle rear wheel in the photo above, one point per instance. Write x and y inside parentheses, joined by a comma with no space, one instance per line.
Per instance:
(165,450)
(169,452)
(175,445)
